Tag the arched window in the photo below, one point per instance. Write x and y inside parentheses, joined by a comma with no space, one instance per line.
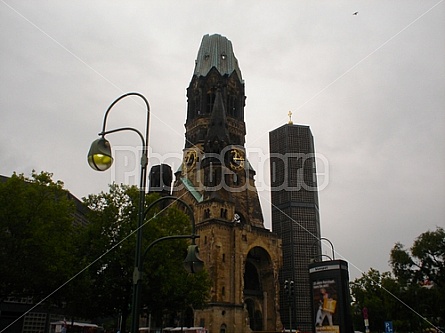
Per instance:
(210,101)
(223,328)
(233,106)
(251,279)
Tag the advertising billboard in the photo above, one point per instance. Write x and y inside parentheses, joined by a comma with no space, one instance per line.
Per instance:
(329,281)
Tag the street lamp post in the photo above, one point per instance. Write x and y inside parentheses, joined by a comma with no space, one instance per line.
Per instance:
(100,158)
(319,240)
(192,262)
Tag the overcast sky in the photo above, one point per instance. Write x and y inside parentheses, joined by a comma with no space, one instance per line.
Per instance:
(371,86)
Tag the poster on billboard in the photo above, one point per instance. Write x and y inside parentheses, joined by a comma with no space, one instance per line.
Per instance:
(330,297)
(325,302)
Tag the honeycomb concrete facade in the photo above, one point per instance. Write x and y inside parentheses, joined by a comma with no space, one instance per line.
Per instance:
(295,217)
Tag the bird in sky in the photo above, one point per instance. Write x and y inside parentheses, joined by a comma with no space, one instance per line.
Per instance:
(356,13)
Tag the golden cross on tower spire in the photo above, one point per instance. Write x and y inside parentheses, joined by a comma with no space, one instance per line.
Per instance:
(290,118)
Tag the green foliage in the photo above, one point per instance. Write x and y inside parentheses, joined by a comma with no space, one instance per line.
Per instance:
(412,296)
(426,262)
(90,269)
(36,232)
(168,288)
(107,252)
(375,291)
(109,243)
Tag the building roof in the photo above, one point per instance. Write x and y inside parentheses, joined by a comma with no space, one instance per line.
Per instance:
(216,51)
(189,186)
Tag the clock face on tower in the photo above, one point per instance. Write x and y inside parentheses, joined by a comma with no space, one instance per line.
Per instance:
(236,159)
(190,158)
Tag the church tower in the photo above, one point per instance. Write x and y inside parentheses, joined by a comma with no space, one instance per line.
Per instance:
(242,257)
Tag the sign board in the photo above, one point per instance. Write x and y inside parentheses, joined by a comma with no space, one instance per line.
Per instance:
(329,282)
(388,327)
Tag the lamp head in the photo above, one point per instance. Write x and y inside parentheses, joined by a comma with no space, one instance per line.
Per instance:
(193,263)
(99,156)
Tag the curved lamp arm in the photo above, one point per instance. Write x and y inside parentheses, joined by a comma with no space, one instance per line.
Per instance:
(186,205)
(104,124)
(320,256)
(120,129)
(100,155)
(332,247)
(192,262)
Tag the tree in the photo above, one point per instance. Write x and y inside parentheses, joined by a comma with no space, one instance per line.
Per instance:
(421,274)
(106,284)
(412,295)
(109,243)
(374,291)
(36,233)
(425,263)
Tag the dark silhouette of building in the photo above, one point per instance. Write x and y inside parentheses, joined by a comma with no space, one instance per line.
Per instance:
(295,216)
(217,180)
(161,178)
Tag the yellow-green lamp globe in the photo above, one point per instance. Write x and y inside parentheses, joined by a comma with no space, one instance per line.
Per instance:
(99,156)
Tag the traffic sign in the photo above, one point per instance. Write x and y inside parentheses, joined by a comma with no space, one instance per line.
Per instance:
(388,327)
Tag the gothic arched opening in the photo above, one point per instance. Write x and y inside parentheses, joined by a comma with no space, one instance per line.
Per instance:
(259,288)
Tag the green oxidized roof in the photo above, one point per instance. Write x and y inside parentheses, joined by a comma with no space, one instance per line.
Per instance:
(189,186)
(216,51)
